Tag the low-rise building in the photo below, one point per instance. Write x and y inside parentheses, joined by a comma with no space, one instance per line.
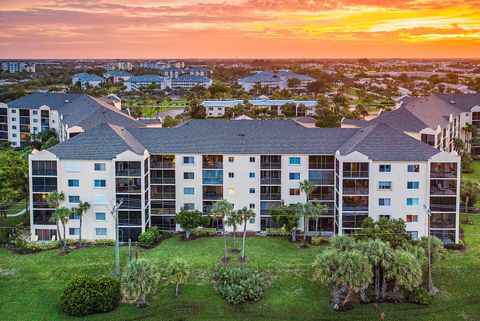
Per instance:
(139,82)
(274,80)
(376,171)
(67,114)
(17,66)
(117,75)
(119,65)
(190,81)
(87,80)
(199,71)
(218,108)
(436,120)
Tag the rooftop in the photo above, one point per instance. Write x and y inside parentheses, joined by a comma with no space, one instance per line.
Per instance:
(274,76)
(87,77)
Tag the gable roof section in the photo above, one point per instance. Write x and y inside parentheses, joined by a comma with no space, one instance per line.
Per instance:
(36,100)
(382,142)
(103,142)
(87,77)
(463,102)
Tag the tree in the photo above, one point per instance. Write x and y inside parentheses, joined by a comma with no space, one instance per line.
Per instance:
(54,199)
(317,87)
(177,272)
(233,220)
(308,188)
(286,216)
(436,252)
(354,272)
(245,214)
(195,108)
(222,210)
(139,281)
(379,255)
(325,271)
(405,271)
(458,145)
(293,83)
(169,121)
(392,231)
(470,193)
(82,208)
(289,109)
(62,215)
(190,220)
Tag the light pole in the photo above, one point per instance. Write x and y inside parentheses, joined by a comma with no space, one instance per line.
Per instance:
(114,212)
(429,214)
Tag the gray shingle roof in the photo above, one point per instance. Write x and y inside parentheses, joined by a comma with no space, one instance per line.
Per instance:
(36,100)
(378,142)
(103,142)
(272,76)
(83,76)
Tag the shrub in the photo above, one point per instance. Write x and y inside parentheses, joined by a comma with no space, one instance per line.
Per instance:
(277,232)
(139,281)
(30,247)
(89,294)
(316,240)
(239,284)
(420,296)
(455,246)
(108,242)
(150,236)
(204,232)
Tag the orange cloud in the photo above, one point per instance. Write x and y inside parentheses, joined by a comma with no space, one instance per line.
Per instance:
(239,28)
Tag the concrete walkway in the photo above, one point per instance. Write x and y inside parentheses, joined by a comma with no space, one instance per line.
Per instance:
(19,213)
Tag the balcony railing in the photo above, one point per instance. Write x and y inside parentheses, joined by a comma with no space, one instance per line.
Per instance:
(212,196)
(128,189)
(271,181)
(355,207)
(270,196)
(128,172)
(163,211)
(271,165)
(162,180)
(213,165)
(44,172)
(443,191)
(355,174)
(154,164)
(355,191)
(443,174)
(44,188)
(163,196)
(212,181)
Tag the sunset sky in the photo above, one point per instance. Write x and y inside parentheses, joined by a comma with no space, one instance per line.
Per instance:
(239,28)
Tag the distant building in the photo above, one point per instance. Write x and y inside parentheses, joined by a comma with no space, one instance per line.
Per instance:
(273,80)
(218,108)
(199,71)
(117,75)
(171,72)
(139,82)
(67,114)
(162,64)
(189,81)
(87,80)
(119,65)
(17,66)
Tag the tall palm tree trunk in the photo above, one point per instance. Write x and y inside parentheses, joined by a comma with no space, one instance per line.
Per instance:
(234,239)
(335,298)
(58,230)
(384,286)
(80,232)
(348,298)
(224,243)
(305,220)
(176,289)
(467,199)
(64,238)
(244,238)
(377,283)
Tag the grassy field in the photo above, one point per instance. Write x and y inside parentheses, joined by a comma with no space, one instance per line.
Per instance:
(30,285)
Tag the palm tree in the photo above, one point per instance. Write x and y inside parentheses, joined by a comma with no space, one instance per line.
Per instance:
(233,220)
(245,214)
(178,272)
(54,199)
(139,280)
(308,188)
(406,271)
(379,254)
(83,207)
(469,191)
(222,210)
(325,271)
(354,272)
(62,215)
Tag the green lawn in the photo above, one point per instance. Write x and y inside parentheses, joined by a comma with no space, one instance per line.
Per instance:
(30,285)
(476,174)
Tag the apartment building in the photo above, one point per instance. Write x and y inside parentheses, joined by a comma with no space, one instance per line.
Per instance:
(436,120)
(67,114)
(119,65)
(274,80)
(370,172)
(217,108)
(139,82)
(187,81)
(117,75)
(17,66)
(87,80)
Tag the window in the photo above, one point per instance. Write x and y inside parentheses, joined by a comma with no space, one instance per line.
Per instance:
(100,200)
(189,206)
(14,135)
(231,175)
(412,201)
(231,191)
(294,160)
(251,175)
(412,218)
(14,119)
(252,159)
(413,168)
(74,231)
(385,168)
(294,191)
(384,202)
(188,175)
(100,216)
(231,159)
(73,199)
(35,112)
(188,160)
(414,234)
(14,127)
(251,206)
(73,183)
(99,167)
(188,191)
(252,220)
(100,183)
(387,216)
(72,167)
(252,190)
(412,185)
(384,185)
(74,215)
(14,111)
(294,176)
(35,120)
(101,231)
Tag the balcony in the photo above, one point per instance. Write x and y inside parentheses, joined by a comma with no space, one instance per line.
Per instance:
(212,177)
(162,180)
(212,161)
(443,170)
(128,189)
(443,187)
(355,190)
(271,165)
(355,174)
(270,196)
(163,211)
(212,196)
(270,181)
(443,204)
(442,220)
